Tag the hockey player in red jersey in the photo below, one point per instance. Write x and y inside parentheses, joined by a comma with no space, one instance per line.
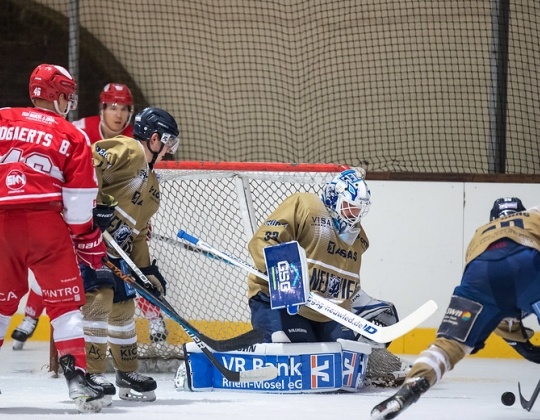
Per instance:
(115,112)
(48,190)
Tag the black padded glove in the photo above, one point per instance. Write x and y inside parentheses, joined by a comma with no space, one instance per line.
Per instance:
(153,274)
(104,212)
(526,349)
(518,337)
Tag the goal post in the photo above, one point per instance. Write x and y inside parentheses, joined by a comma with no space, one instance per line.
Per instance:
(223,203)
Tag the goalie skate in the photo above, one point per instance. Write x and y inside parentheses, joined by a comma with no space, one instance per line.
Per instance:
(407,395)
(133,386)
(181,382)
(88,398)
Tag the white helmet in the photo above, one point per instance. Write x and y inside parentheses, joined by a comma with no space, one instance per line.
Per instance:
(347,198)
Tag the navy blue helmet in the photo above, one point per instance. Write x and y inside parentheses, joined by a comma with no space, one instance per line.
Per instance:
(505,206)
(156,120)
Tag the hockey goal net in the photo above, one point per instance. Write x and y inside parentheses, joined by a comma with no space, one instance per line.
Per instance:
(222,203)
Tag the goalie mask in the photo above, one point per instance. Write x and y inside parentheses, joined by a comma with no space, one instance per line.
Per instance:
(347,198)
(505,206)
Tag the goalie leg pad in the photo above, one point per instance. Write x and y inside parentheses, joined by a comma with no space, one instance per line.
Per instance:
(302,367)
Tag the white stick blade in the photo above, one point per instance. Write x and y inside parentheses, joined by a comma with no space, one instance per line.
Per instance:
(266,373)
(408,323)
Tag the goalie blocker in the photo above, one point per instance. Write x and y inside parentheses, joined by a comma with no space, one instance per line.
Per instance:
(302,367)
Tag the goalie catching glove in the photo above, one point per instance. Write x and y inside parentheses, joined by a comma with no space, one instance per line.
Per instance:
(158,281)
(518,337)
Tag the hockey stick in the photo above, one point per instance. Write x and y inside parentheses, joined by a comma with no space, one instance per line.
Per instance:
(527,405)
(147,290)
(331,310)
(178,243)
(244,340)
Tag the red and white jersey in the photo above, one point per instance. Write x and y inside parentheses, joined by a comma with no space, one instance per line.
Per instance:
(91,126)
(46,159)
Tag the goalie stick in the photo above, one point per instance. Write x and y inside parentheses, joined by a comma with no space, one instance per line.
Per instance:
(145,287)
(527,405)
(329,309)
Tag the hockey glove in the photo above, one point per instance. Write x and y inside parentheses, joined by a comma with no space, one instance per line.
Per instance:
(104,212)
(90,249)
(153,274)
(377,311)
(527,350)
(517,336)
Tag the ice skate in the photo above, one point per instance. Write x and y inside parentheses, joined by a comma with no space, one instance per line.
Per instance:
(158,330)
(99,379)
(133,386)
(88,398)
(23,332)
(407,395)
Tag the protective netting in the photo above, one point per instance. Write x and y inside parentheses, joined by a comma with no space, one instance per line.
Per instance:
(424,86)
(221,207)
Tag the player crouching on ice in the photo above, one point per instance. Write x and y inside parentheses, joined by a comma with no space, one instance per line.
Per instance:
(499,286)
(328,229)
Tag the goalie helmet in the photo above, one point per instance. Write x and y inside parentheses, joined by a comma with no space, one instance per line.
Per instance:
(505,206)
(347,198)
(156,120)
(115,93)
(49,81)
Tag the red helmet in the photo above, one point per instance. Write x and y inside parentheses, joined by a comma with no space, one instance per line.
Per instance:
(48,81)
(114,93)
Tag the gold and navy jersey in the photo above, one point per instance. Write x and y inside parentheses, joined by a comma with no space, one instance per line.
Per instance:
(123,173)
(523,228)
(333,265)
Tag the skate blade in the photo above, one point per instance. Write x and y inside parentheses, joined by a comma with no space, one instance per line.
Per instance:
(127,394)
(18,345)
(107,400)
(85,406)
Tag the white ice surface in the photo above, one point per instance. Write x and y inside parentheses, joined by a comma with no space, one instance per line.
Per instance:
(471,391)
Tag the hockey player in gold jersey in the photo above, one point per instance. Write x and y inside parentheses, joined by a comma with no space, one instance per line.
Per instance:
(328,228)
(124,168)
(501,281)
